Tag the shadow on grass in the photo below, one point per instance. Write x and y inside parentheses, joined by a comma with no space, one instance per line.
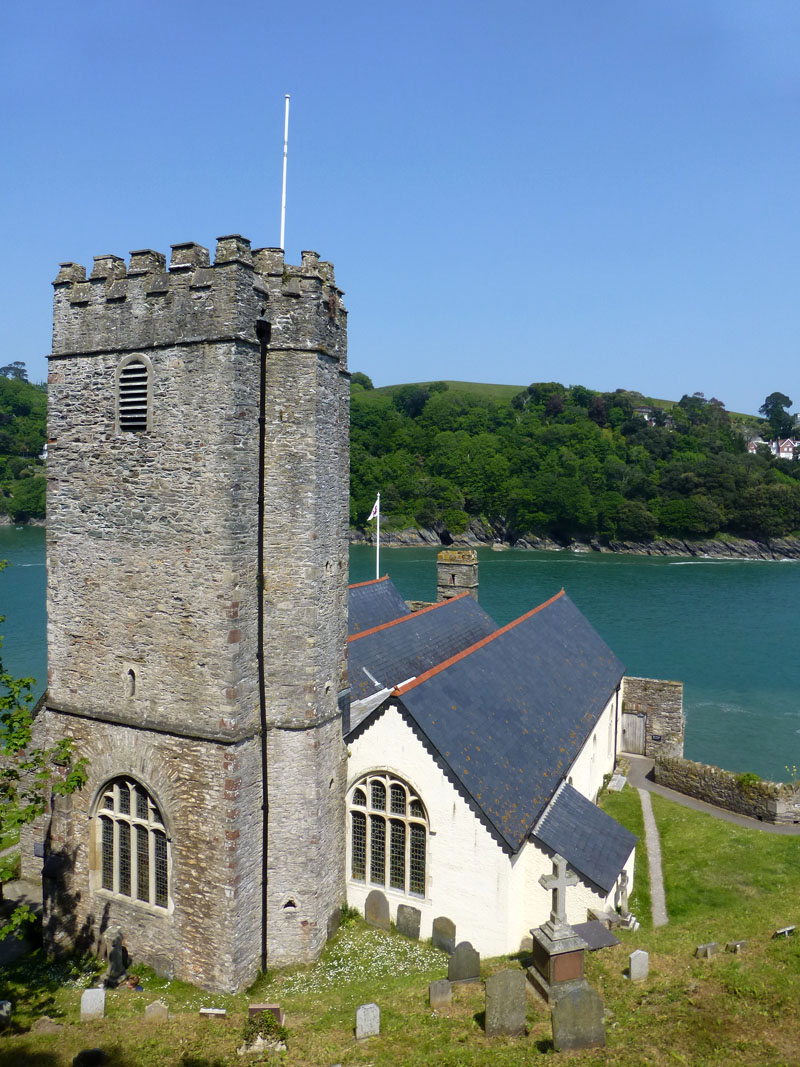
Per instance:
(110,1057)
(545,1044)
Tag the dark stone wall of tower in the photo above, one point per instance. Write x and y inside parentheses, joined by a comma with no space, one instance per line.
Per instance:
(152,558)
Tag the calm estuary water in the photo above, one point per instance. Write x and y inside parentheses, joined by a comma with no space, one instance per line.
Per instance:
(725,628)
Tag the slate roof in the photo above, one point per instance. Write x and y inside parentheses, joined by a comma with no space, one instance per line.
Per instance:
(509,715)
(593,843)
(397,651)
(371,604)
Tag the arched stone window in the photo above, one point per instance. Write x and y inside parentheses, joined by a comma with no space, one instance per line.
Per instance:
(133,395)
(388,835)
(132,844)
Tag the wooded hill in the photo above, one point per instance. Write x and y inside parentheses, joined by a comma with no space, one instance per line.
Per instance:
(23,409)
(564,462)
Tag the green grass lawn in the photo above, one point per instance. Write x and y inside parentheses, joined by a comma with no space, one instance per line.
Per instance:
(722,882)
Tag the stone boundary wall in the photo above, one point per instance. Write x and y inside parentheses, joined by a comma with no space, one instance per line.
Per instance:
(662,703)
(766,801)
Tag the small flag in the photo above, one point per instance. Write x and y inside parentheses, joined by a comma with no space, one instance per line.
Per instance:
(376,507)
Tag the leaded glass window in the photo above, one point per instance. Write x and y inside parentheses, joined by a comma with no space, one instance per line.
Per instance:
(134,855)
(388,848)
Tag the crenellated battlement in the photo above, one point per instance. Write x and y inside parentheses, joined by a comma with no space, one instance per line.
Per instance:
(148,304)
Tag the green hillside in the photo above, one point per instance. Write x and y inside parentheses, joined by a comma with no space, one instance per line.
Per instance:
(23,409)
(564,462)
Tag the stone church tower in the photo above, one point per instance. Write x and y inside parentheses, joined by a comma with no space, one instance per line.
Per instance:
(197,608)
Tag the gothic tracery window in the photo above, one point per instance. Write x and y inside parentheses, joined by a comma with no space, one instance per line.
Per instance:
(388,835)
(132,844)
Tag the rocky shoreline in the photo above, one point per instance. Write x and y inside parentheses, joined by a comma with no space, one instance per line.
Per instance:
(478,535)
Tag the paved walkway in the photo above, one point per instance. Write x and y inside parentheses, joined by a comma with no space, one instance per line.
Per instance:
(641,768)
(658,900)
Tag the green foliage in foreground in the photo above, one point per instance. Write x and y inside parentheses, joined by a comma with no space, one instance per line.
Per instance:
(565,463)
(722,883)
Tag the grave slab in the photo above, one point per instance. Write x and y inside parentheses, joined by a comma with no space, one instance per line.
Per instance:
(505,1003)
(440,994)
(444,934)
(376,910)
(638,965)
(93,1004)
(578,1019)
(705,952)
(465,964)
(157,1012)
(368,1021)
(408,921)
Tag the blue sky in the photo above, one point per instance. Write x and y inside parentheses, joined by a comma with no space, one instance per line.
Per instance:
(601,192)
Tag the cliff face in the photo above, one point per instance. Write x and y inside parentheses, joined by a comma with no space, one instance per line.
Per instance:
(478,535)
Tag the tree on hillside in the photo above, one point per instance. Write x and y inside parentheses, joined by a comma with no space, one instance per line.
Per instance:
(358,378)
(774,411)
(15,370)
(28,775)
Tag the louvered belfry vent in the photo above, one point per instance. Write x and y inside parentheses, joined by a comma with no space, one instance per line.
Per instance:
(133,397)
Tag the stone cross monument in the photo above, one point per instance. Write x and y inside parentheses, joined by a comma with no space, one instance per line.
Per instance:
(558,951)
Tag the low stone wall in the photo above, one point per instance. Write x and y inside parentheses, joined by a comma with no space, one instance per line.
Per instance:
(766,801)
(662,702)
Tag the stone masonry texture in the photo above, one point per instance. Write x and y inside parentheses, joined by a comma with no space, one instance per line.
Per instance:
(662,701)
(153,597)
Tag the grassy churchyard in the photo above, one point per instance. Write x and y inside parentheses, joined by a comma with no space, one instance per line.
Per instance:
(722,883)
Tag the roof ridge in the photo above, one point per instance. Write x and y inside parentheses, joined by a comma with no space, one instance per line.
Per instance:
(400,690)
(372,581)
(405,618)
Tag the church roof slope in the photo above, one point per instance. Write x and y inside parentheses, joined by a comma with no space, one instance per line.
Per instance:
(402,649)
(509,715)
(594,844)
(371,604)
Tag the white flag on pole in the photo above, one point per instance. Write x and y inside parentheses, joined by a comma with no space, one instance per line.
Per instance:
(376,509)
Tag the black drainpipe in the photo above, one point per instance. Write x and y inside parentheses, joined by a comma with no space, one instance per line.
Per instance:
(263,333)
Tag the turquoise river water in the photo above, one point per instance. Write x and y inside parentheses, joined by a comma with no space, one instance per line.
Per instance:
(724,628)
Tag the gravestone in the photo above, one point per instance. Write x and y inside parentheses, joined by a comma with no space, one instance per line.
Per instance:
(505,1003)
(118,960)
(45,1025)
(376,910)
(368,1021)
(735,946)
(784,931)
(621,895)
(465,964)
(578,1019)
(5,1012)
(440,994)
(408,920)
(638,965)
(157,1012)
(164,967)
(444,934)
(274,1009)
(705,952)
(93,1004)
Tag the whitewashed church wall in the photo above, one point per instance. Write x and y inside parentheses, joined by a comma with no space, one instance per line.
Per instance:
(469,877)
(596,758)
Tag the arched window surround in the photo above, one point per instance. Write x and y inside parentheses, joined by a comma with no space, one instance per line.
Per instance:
(134,394)
(388,834)
(131,849)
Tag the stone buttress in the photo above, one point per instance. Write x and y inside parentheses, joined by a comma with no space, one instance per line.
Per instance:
(153,607)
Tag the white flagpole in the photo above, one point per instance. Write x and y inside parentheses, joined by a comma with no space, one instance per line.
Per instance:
(378,542)
(285,154)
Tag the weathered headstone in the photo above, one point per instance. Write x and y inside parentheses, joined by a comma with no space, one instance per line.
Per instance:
(505,1003)
(440,994)
(465,964)
(376,910)
(118,960)
(638,965)
(444,934)
(578,1019)
(5,1012)
(213,1013)
(93,1004)
(157,1012)
(368,1021)
(408,921)
(705,952)
(735,946)
(164,967)
(784,931)
(621,894)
